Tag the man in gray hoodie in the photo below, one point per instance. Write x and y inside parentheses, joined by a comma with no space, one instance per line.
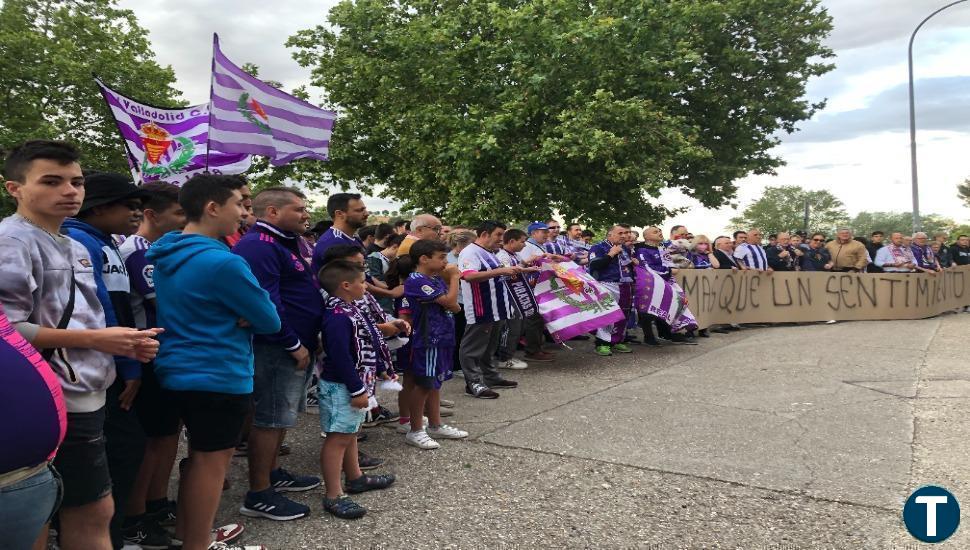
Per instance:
(48,289)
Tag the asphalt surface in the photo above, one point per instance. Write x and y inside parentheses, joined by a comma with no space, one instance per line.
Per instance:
(807,436)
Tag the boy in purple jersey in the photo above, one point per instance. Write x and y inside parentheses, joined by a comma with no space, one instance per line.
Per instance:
(432,303)
(350,340)
(149,504)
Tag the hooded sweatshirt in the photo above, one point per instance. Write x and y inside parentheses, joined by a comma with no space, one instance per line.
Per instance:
(114,288)
(35,285)
(203,291)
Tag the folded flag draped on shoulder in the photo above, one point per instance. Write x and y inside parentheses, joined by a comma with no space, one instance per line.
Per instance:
(571,302)
(168,144)
(662,298)
(250,116)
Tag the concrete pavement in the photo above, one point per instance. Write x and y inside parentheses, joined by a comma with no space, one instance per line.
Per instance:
(779,437)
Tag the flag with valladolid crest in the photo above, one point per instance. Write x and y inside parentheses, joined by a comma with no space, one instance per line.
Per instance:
(168,144)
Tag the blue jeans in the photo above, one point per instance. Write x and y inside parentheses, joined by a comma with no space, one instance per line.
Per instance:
(26,506)
(278,388)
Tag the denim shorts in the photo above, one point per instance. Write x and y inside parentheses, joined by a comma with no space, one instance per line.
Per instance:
(278,388)
(26,506)
(336,414)
(82,459)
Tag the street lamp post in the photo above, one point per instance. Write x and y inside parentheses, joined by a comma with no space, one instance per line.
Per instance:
(912,118)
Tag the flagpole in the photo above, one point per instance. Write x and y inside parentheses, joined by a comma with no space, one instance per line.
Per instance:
(212,81)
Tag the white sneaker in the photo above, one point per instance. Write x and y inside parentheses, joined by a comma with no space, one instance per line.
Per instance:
(519,364)
(421,440)
(224,546)
(406,427)
(512,364)
(445,431)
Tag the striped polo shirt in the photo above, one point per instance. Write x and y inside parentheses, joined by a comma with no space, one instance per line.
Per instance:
(485,301)
(753,256)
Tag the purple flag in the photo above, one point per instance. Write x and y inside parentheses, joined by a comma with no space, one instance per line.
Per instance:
(662,298)
(571,302)
(168,144)
(250,116)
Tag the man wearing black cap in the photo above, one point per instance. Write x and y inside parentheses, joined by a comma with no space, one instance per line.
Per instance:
(112,206)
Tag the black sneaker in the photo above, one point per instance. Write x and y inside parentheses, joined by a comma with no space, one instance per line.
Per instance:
(480,391)
(285,482)
(366,483)
(379,415)
(312,401)
(271,505)
(148,535)
(163,516)
(505,384)
(344,508)
(367,462)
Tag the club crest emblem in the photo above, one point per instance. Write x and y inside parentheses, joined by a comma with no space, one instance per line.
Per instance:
(165,154)
(253,111)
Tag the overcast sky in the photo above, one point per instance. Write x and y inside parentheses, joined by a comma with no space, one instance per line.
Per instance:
(857,148)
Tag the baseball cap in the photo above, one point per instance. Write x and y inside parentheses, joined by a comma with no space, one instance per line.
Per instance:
(537,226)
(101,188)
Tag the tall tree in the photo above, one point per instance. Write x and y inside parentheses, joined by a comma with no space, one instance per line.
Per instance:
(514,109)
(864,223)
(963,191)
(783,209)
(48,51)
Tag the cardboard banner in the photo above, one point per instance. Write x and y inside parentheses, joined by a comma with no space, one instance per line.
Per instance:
(720,296)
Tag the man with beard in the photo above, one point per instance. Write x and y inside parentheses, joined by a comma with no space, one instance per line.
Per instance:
(349,214)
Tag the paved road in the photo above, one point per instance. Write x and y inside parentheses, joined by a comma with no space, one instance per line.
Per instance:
(782,437)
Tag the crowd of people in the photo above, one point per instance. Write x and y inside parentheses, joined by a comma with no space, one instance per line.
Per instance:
(130,315)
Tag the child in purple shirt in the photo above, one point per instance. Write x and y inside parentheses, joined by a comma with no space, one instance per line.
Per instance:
(432,303)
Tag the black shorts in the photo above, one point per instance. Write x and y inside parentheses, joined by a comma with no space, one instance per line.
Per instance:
(82,460)
(214,420)
(155,407)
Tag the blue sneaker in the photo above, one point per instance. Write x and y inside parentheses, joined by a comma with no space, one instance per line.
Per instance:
(272,505)
(285,482)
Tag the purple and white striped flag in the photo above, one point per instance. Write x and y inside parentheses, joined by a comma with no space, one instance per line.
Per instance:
(571,302)
(662,298)
(250,116)
(168,144)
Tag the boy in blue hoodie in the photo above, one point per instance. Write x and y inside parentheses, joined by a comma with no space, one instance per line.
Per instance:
(210,305)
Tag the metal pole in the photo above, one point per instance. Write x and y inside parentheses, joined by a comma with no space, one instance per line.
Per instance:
(912,118)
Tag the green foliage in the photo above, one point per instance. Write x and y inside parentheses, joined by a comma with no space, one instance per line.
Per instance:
(963,229)
(783,209)
(864,223)
(963,191)
(48,52)
(513,110)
